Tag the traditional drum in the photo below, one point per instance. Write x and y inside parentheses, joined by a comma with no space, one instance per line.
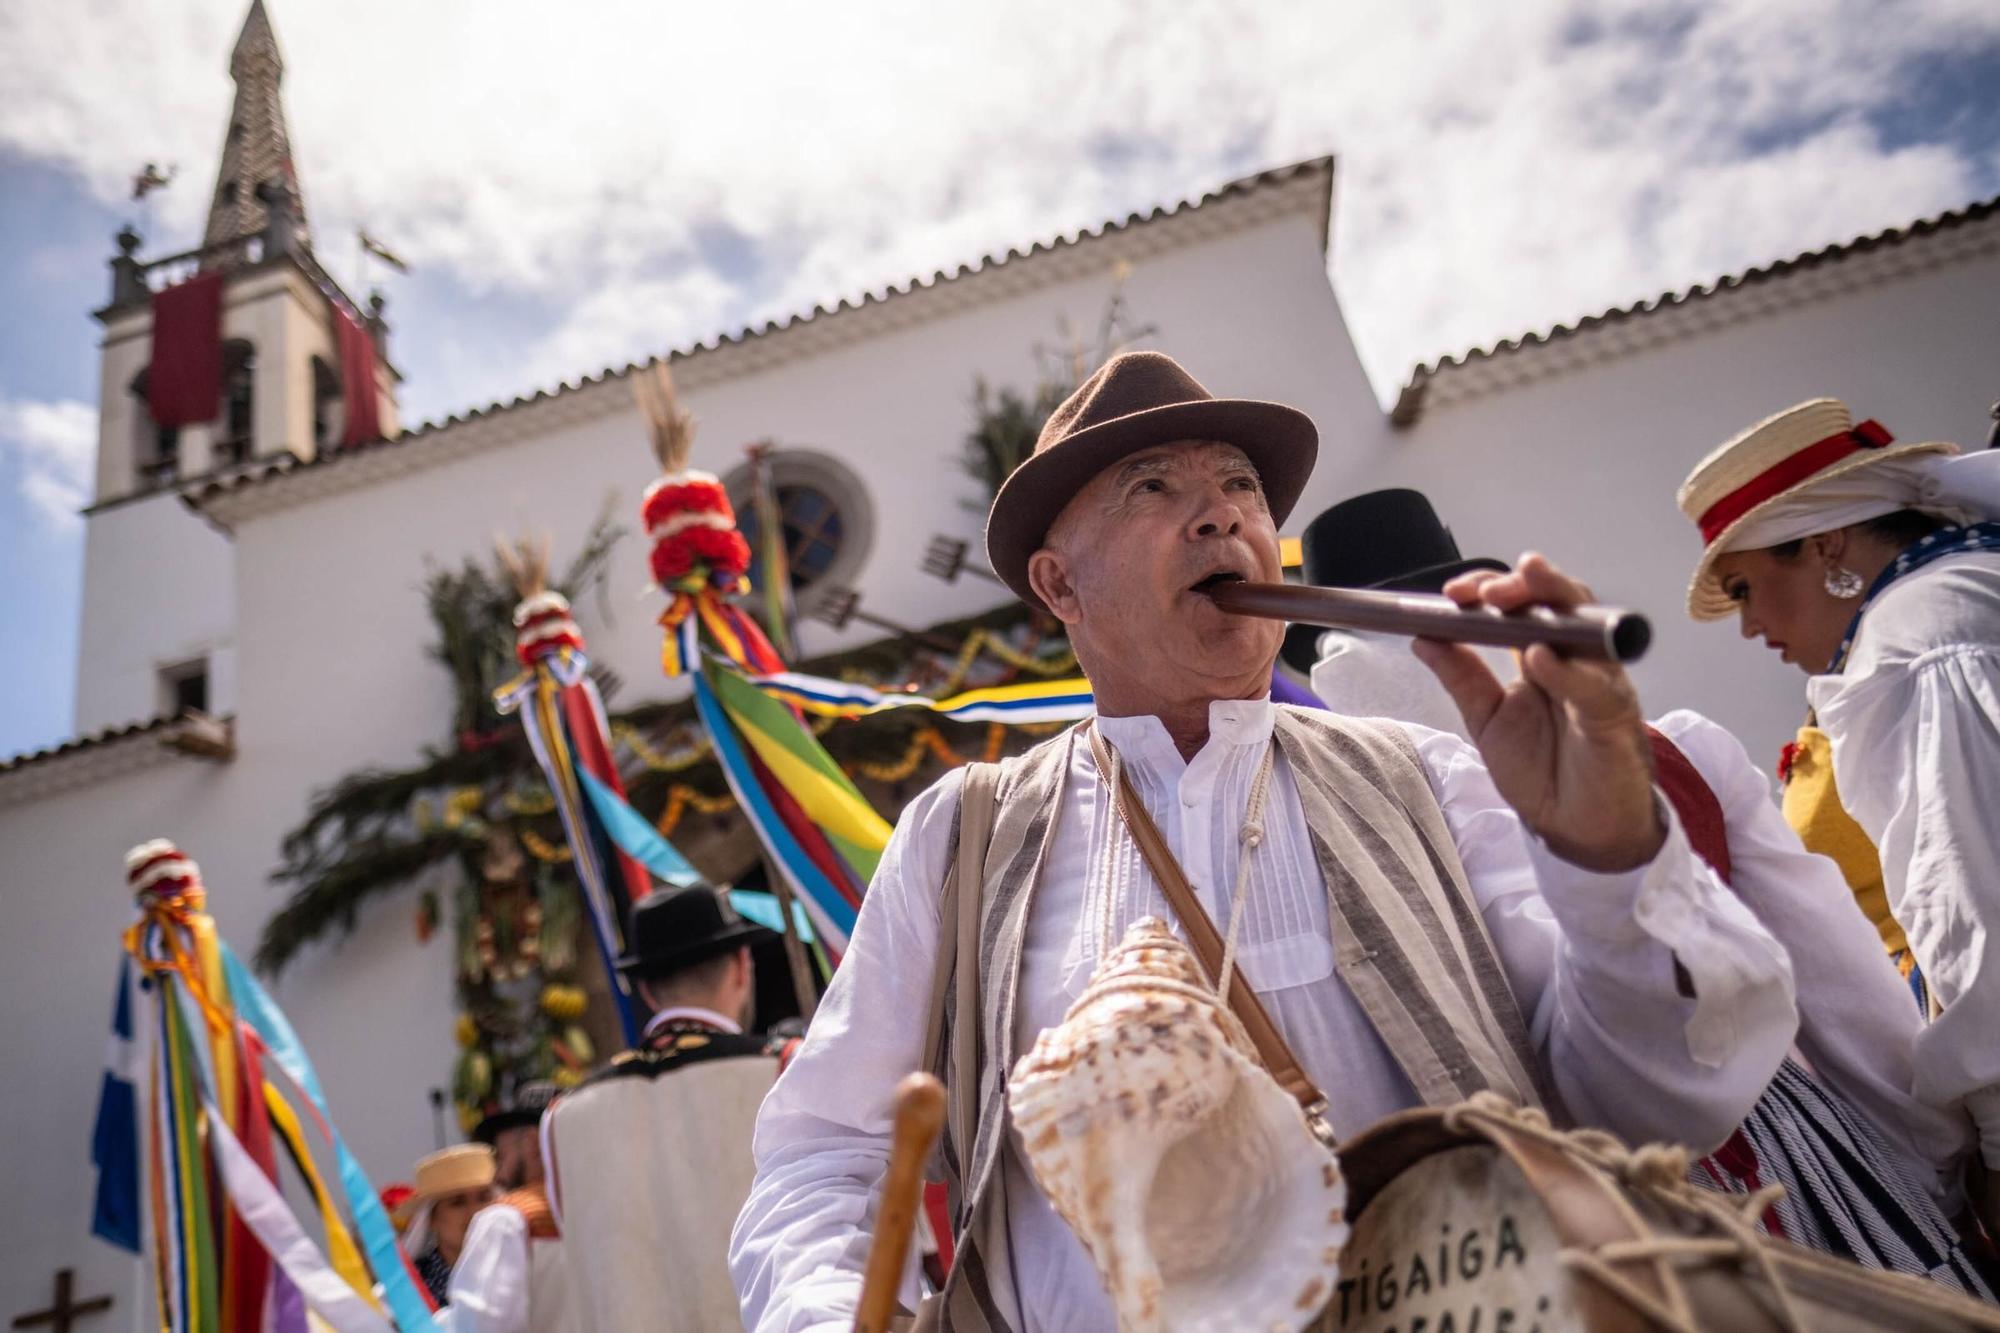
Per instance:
(1483,1219)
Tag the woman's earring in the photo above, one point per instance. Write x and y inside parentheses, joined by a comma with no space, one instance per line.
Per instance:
(1843,582)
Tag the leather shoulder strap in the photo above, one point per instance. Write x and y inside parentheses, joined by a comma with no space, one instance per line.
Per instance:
(955,971)
(1206,942)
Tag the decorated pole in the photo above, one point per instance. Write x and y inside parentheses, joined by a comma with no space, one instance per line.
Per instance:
(563,716)
(819,833)
(206,1047)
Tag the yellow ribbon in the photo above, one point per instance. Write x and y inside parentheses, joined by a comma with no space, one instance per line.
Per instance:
(341,1250)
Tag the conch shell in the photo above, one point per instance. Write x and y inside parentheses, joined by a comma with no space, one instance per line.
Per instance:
(1202,1195)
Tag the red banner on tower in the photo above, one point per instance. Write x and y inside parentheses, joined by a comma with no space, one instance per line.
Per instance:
(184,382)
(357,379)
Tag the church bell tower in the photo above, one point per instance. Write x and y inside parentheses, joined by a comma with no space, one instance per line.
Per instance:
(215,361)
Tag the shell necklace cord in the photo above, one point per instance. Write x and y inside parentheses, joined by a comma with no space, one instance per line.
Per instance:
(1110,768)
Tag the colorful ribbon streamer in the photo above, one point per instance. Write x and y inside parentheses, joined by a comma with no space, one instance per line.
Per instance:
(1011,705)
(563,717)
(832,909)
(407,1305)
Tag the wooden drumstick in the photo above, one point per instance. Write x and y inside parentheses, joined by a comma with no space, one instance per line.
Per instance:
(919,1117)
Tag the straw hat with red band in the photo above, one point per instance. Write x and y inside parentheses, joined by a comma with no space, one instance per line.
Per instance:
(454,1170)
(1776,465)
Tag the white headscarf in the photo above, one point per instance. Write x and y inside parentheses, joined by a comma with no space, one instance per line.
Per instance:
(1957,488)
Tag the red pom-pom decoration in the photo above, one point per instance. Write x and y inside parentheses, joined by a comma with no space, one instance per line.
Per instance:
(724,554)
(692,525)
(158,869)
(542,625)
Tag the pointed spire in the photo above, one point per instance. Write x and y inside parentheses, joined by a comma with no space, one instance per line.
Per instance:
(258,149)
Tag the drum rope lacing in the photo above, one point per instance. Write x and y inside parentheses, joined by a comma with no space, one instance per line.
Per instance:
(1658,1171)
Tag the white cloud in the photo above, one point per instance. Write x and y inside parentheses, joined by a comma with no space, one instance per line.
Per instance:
(46,450)
(1504,167)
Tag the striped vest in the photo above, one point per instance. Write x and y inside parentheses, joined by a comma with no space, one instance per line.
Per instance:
(1408,940)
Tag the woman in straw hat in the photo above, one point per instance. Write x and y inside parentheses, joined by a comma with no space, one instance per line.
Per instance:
(452,1185)
(1874,567)
(1871,1174)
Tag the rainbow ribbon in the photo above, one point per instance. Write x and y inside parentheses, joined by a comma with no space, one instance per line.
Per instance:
(231,1256)
(823,883)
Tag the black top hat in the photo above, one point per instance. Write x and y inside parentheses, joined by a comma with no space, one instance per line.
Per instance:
(1389,539)
(677,928)
(522,1110)
(1392,540)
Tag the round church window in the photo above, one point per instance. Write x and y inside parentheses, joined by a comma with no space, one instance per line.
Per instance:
(813,528)
(823,512)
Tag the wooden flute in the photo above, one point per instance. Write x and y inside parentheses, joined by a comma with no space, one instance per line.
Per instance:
(1602,632)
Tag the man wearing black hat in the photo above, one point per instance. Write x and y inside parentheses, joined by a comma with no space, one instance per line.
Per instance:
(1386,541)
(689,964)
(513,1132)
(651,1156)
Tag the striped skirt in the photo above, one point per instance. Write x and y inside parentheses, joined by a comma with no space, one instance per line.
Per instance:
(1846,1193)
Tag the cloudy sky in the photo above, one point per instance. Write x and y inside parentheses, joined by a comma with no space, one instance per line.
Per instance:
(581,185)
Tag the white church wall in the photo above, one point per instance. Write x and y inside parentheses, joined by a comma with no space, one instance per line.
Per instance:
(158,580)
(330,589)
(158,591)
(1583,465)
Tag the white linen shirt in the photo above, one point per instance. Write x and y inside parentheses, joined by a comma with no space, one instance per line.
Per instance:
(506,1281)
(1590,958)
(1857,1028)
(1915,725)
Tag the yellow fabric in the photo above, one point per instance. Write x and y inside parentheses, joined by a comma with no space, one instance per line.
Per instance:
(1813,809)
(221,1044)
(340,1248)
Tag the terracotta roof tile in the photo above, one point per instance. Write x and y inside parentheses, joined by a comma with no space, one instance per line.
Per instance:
(1410,403)
(286,464)
(95,739)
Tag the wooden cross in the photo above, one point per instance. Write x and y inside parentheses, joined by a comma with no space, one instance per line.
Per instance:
(66,1310)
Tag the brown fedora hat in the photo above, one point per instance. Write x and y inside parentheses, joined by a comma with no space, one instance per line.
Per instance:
(1137,400)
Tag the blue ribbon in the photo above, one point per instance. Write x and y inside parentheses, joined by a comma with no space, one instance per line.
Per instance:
(378,1238)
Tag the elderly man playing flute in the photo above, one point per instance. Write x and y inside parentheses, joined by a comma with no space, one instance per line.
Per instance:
(1422,918)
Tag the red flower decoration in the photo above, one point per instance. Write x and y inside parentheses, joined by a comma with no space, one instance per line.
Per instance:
(1786,758)
(723,552)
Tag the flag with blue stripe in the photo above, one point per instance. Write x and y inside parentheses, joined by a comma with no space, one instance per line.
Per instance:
(114,1142)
